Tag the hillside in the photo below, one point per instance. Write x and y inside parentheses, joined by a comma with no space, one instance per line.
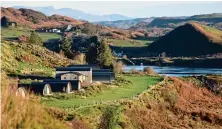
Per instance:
(191,39)
(35,19)
(125,24)
(213,20)
(28,59)
(173,103)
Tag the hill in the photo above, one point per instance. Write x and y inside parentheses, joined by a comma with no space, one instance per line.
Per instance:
(35,19)
(125,24)
(213,20)
(191,39)
(77,14)
(28,59)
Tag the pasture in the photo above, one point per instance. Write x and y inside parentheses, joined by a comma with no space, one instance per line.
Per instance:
(11,33)
(140,83)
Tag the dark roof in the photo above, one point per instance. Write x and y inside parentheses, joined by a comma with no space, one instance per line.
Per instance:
(55,86)
(36,87)
(101,70)
(74,83)
(73,69)
(93,66)
(77,73)
(112,75)
(102,78)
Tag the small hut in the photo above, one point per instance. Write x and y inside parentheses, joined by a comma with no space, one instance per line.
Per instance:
(76,84)
(55,86)
(41,88)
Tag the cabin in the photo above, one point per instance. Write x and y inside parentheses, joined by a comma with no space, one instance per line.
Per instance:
(49,87)
(74,73)
(35,87)
(103,75)
(75,84)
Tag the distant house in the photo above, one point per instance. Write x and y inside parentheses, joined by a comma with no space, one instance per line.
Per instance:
(56,30)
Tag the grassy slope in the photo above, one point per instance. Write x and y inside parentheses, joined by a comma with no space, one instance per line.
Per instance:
(191,39)
(16,32)
(140,83)
(25,58)
(213,34)
(127,43)
(172,103)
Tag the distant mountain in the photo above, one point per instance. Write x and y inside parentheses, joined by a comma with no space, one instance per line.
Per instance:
(77,14)
(125,24)
(173,22)
(34,19)
(191,39)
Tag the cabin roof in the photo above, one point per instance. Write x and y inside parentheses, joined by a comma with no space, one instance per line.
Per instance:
(101,70)
(73,69)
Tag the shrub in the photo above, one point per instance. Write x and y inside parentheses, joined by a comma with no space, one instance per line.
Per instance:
(118,67)
(35,39)
(81,58)
(170,96)
(149,70)
(134,71)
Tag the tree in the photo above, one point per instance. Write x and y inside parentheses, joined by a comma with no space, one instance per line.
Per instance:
(4,22)
(93,50)
(66,47)
(105,55)
(35,39)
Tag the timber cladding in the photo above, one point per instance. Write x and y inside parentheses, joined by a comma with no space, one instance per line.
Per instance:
(77,73)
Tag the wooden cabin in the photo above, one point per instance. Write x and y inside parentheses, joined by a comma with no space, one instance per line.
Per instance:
(83,74)
(75,84)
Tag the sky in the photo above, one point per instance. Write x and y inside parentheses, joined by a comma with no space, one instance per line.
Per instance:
(130,8)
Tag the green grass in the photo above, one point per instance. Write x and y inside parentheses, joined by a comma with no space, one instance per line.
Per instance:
(140,83)
(127,43)
(10,33)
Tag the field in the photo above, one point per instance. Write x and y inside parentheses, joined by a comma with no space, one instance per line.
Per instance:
(140,83)
(127,43)
(10,33)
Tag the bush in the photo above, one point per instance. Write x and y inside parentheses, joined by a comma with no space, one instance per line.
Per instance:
(170,96)
(35,39)
(134,71)
(149,70)
(80,58)
(118,67)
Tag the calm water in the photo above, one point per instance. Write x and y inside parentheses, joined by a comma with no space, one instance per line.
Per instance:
(177,71)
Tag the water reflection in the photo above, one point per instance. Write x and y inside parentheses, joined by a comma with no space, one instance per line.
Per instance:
(177,71)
